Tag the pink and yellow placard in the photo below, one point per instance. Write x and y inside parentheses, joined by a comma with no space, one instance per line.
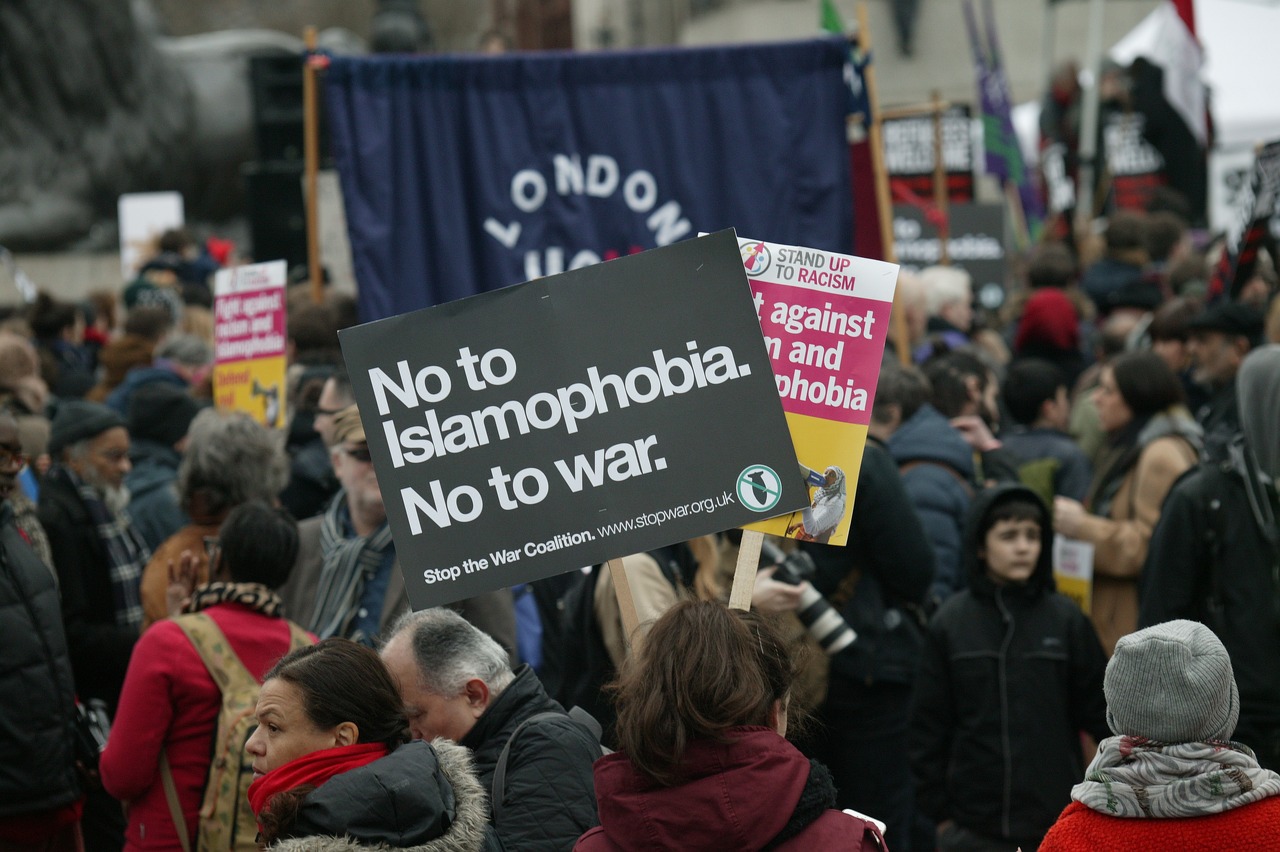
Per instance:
(249,341)
(825,319)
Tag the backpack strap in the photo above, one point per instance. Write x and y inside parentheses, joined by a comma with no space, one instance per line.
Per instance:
(225,668)
(955,474)
(215,651)
(171,796)
(298,638)
(577,715)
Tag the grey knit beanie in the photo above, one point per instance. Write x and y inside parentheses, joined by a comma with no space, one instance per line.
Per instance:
(1172,683)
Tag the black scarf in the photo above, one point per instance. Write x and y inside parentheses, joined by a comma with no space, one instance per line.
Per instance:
(1123,452)
(818,797)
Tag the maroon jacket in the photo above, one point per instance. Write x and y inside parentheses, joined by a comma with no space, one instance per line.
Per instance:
(738,795)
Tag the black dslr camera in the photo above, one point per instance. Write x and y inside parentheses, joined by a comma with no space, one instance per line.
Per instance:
(827,627)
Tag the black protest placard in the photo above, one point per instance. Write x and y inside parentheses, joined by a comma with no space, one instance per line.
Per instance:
(1136,166)
(909,154)
(573,419)
(976,242)
(1249,232)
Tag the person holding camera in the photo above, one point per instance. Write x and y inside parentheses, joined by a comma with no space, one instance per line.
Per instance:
(39,787)
(875,585)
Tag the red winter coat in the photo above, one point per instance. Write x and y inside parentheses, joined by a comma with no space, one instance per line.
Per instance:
(1080,829)
(169,701)
(739,796)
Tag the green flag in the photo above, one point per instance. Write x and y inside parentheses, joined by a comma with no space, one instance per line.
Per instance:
(831,20)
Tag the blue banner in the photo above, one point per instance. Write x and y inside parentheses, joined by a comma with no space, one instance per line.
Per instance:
(466,174)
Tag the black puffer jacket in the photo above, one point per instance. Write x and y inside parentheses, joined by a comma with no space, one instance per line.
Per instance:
(1011,674)
(549,800)
(421,797)
(37,699)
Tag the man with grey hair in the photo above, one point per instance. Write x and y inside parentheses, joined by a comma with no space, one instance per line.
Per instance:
(97,553)
(532,756)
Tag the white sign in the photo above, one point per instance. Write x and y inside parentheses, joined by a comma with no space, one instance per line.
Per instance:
(1073,570)
(144,216)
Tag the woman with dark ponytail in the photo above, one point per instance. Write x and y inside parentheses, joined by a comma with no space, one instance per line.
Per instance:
(334,768)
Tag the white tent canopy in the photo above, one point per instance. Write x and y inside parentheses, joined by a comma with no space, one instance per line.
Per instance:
(1242,68)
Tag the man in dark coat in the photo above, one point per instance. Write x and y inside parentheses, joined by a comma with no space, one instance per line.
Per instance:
(1220,339)
(1010,675)
(889,563)
(1215,554)
(159,416)
(98,555)
(39,787)
(456,683)
(936,465)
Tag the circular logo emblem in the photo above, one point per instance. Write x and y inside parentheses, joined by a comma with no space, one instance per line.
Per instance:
(755,257)
(759,488)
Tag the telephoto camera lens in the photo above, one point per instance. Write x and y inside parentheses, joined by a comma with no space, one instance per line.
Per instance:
(824,624)
(827,627)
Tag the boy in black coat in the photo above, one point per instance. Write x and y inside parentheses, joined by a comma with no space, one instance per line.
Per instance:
(1012,673)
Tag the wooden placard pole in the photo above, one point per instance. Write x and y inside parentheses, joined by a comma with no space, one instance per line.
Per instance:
(626,602)
(744,573)
(884,204)
(311,152)
(892,113)
(941,194)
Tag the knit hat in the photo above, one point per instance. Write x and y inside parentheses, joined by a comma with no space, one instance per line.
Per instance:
(161,412)
(347,426)
(1049,318)
(1172,683)
(77,421)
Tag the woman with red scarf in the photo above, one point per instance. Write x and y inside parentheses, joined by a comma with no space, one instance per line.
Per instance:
(333,767)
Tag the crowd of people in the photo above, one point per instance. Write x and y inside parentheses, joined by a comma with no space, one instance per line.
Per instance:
(231,599)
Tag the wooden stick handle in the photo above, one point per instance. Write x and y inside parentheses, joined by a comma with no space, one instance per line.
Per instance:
(916,110)
(744,574)
(311,154)
(884,203)
(626,603)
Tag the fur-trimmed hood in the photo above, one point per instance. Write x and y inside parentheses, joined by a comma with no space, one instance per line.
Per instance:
(394,801)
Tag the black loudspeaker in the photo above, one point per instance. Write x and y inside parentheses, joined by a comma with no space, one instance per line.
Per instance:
(276,83)
(277,215)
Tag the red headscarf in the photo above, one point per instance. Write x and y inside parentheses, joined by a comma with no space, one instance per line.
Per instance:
(314,769)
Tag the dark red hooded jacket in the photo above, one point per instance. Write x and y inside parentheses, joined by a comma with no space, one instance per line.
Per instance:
(738,795)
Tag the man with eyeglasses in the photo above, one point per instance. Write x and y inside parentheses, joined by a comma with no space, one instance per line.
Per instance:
(99,558)
(347,581)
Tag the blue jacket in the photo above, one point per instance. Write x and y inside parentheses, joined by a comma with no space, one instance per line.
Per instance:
(138,377)
(937,471)
(154,506)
